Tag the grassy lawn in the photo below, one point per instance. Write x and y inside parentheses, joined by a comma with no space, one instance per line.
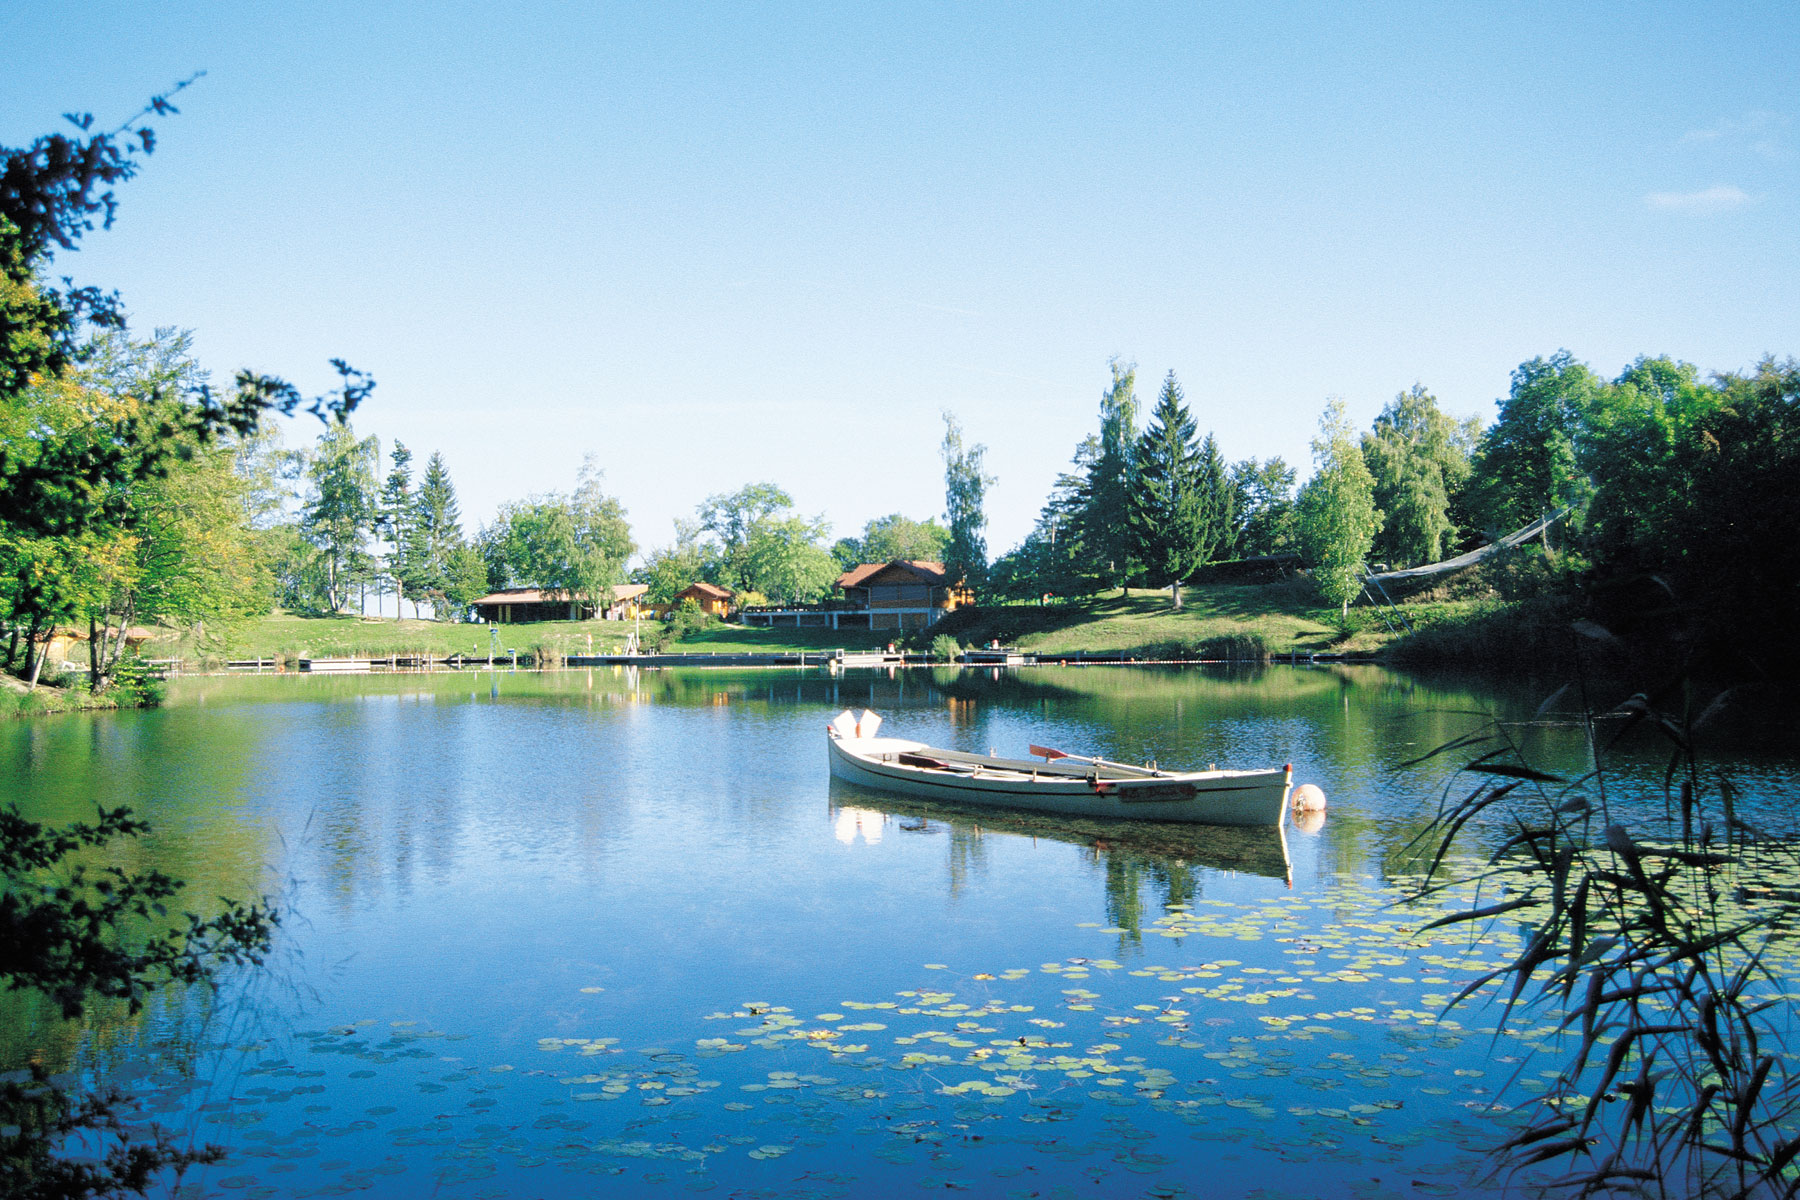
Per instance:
(285,635)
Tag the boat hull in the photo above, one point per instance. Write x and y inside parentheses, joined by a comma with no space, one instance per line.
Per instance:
(1240,798)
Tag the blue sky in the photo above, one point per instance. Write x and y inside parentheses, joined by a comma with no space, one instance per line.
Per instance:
(717,244)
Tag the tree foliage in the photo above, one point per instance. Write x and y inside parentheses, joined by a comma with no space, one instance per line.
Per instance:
(1528,461)
(1101,509)
(732,518)
(341,511)
(885,539)
(444,567)
(1336,517)
(1263,507)
(1169,510)
(1419,459)
(574,546)
(669,570)
(965,506)
(1055,559)
(786,562)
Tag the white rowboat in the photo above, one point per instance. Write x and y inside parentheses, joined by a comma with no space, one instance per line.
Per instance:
(1089,787)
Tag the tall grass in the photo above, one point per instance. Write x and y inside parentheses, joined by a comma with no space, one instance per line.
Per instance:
(1649,943)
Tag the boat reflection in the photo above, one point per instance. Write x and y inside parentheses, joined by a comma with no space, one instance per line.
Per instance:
(1176,848)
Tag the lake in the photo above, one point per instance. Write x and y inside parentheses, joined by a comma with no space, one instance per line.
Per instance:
(611,931)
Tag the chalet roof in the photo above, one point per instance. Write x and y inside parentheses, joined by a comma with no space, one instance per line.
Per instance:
(711,590)
(924,570)
(520,596)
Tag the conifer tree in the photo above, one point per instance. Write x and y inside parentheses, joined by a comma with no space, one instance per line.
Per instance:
(1218,502)
(1104,517)
(437,533)
(394,521)
(1168,510)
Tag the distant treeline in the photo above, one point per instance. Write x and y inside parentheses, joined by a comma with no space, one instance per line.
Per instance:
(1680,484)
(1683,493)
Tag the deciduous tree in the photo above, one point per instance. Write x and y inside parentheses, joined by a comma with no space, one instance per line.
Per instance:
(340,511)
(965,501)
(1263,503)
(893,536)
(1528,463)
(1337,519)
(1418,457)
(732,519)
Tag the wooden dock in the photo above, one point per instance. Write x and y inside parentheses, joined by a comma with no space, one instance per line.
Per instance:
(338,666)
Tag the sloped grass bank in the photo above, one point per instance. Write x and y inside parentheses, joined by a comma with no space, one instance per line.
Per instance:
(1243,622)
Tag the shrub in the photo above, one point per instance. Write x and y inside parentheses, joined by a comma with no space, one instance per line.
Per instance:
(1235,647)
(944,648)
(1528,573)
(685,622)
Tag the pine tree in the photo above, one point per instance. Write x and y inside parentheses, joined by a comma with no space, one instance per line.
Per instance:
(1168,510)
(440,549)
(1218,501)
(395,524)
(1105,523)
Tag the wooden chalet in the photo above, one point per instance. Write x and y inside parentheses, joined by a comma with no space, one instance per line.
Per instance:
(903,593)
(712,599)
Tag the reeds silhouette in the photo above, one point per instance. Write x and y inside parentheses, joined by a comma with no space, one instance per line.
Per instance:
(1648,942)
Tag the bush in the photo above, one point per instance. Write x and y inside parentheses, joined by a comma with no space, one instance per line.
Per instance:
(134,684)
(1528,573)
(944,648)
(685,622)
(1235,647)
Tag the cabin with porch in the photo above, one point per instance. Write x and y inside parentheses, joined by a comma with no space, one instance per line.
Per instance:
(901,594)
(514,606)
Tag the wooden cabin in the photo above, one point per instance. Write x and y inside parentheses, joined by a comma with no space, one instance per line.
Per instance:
(902,594)
(712,599)
(513,606)
(627,603)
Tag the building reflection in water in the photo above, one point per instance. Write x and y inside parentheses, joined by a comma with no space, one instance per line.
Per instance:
(853,823)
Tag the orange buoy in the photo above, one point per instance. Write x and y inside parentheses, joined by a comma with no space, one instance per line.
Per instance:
(1308,797)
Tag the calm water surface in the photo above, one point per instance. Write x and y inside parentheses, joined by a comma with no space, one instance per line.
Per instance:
(618,933)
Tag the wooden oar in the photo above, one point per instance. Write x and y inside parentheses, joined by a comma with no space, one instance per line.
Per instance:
(1049,755)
